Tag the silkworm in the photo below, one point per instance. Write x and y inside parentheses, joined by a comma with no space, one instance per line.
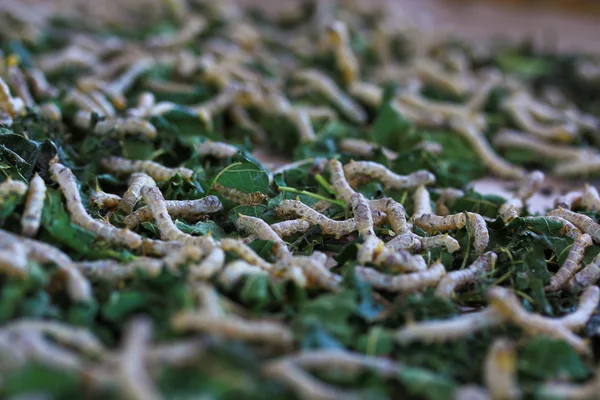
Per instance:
(422,202)
(126,126)
(133,376)
(240,117)
(582,222)
(13,106)
(364,148)
(530,186)
(431,72)
(571,263)
(500,370)
(396,214)
(245,253)
(68,185)
(264,232)
(130,198)
(51,111)
(216,149)
(344,56)
(13,259)
(145,102)
(448,329)
(496,164)
(102,102)
(16,79)
(590,199)
(470,392)
(176,209)
(328,88)
(362,214)
(32,214)
(586,277)
(78,287)
(210,266)
(301,120)
(103,200)
(193,27)
(431,242)
(588,303)
(510,308)
(85,104)
(238,196)
(72,56)
(234,271)
(509,139)
(316,272)
(338,180)
(568,229)
(403,283)
(479,231)
(11,186)
(569,200)
(366,92)
(456,279)
(578,167)
(405,241)
(117,88)
(572,391)
(112,270)
(39,84)
(389,179)
(290,227)
(232,327)
(156,171)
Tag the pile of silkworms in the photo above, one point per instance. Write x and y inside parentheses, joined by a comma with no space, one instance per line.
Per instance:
(142,142)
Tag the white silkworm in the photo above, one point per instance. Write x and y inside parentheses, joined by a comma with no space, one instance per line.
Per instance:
(582,222)
(396,214)
(431,242)
(39,84)
(155,170)
(364,148)
(136,182)
(263,231)
(113,270)
(245,253)
(515,140)
(10,186)
(346,61)
(455,279)
(13,106)
(194,25)
(125,126)
(176,208)
(470,392)
(360,169)
(290,227)
(70,56)
(568,229)
(402,283)
(578,167)
(232,327)
(238,196)
(571,263)
(422,202)
(479,231)
(569,200)
(590,199)
(85,104)
(316,272)
(133,376)
(397,259)
(530,186)
(68,185)
(511,309)
(586,277)
(103,200)
(327,87)
(117,88)
(234,271)
(500,370)
(362,214)
(216,149)
(13,259)
(448,329)
(16,79)
(338,181)
(51,111)
(32,214)
(588,303)
(78,287)
(102,102)
(210,266)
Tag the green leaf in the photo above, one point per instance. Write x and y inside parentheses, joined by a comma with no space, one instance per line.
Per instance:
(246,177)
(423,383)
(543,358)
(201,228)
(391,129)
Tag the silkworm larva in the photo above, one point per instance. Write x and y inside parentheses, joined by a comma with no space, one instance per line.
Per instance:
(364,148)
(241,117)
(11,186)
(588,303)
(13,106)
(291,227)
(530,186)
(103,200)
(583,222)
(234,271)
(13,259)
(158,172)
(238,196)
(405,241)
(102,102)
(245,253)
(366,92)
(500,370)
(568,229)
(145,102)
(470,392)
(497,165)
(362,214)
(431,242)
(177,208)
(586,277)
(317,273)
(32,214)
(263,231)
(578,167)
(403,283)
(301,121)
(112,270)
(216,149)
(328,88)
(68,185)
(78,287)
(371,249)
(231,327)
(590,200)
(85,104)
(398,259)
(192,28)
(569,200)
(571,263)
(130,198)
(133,376)
(344,56)
(396,214)
(329,226)
(51,111)
(117,88)
(70,56)
(338,180)
(456,279)
(448,329)
(571,391)
(422,202)
(39,83)
(389,179)
(125,126)
(479,231)
(508,212)
(16,79)
(516,140)
(210,266)
(510,308)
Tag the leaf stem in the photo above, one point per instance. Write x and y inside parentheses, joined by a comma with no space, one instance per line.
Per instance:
(310,194)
